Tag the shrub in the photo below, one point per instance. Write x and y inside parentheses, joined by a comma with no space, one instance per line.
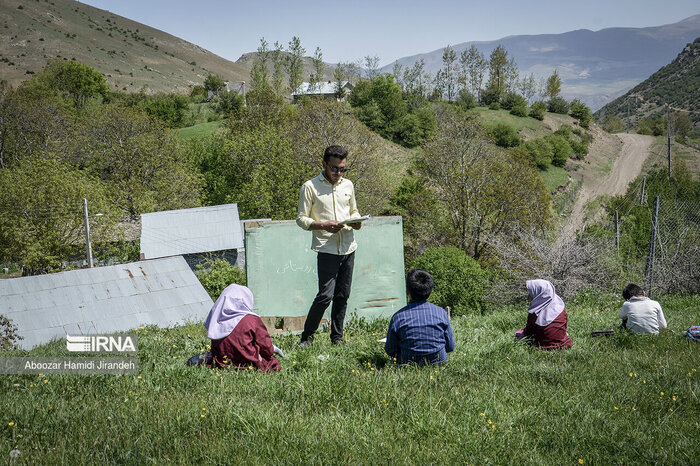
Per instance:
(465,100)
(217,274)
(494,105)
(512,99)
(558,105)
(8,334)
(582,113)
(613,124)
(519,110)
(541,152)
(504,135)
(561,149)
(459,279)
(537,110)
(490,95)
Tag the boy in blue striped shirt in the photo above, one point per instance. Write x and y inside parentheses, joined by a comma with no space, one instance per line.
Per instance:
(421,332)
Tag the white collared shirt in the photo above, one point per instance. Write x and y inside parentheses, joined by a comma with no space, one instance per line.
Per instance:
(321,201)
(643,315)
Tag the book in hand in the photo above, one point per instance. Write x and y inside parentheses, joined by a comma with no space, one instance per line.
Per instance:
(355,220)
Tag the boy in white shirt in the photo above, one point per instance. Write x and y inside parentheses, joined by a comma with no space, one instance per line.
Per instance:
(640,314)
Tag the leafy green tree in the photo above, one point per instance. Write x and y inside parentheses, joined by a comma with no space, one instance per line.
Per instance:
(318,65)
(681,124)
(169,108)
(553,85)
(217,274)
(540,151)
(561,149)
(498,62)
(581,112)
(473,65)
(277,58)
(481,189)
(528,87)
(213,83)
(198,93)
(387,96)
(491,95)
(371,66)
(504,135)
(259,73)
(138,157)
(74,80)
(538,110)
(511,99)
(229,102)
(449,58)
(466,100)
(41,223)
(294,63)
(558,105)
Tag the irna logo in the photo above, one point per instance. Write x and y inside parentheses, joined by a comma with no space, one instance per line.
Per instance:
(102,343)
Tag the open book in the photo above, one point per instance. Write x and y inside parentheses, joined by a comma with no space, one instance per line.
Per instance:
(355,220)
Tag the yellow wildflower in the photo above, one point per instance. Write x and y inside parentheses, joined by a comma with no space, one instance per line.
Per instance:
(580,461)
(616,408)
(11,424)
(482,414)
(202,415)
(674,398)
(46,380)
(662,393)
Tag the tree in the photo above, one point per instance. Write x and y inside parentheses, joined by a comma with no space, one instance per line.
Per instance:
(474,66)
(74,80)
(482,189)
(259,73)
(371,66)
(681,124)
(449,73)
(41,204)
(213,83)
(138,157)
(553,85)
(277,69)
(498,62)
(317,75)
(294,63)
(511,75)
(581,112)
(397,71)
(528,87)
(537,110)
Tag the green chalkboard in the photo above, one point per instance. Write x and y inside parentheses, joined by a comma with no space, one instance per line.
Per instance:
(281,269)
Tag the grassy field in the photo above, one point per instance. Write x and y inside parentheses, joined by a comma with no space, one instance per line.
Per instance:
(202,129)
(554,177)
(622,399)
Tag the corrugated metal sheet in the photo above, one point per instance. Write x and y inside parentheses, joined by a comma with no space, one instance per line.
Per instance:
(163,292)
(322,88)
(190,231)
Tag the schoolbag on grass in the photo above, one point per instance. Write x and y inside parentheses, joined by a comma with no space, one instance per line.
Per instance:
(693,332)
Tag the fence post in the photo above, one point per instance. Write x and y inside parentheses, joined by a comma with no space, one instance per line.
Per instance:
(644,183)
(617,233)
(649,269)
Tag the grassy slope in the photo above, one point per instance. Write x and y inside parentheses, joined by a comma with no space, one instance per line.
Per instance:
(601,401)
(130,54)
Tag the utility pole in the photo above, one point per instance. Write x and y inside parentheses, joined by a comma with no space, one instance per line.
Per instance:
(668,137)
(88,247)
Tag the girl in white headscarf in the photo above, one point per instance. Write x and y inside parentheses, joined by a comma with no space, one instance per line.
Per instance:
(239,338)
(547,319)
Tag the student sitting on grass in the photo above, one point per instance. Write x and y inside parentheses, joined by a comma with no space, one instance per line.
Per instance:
(420,332)
(546,320)
(239,338)
(640,314)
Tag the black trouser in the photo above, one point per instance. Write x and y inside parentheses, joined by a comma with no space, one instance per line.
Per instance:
(334,281)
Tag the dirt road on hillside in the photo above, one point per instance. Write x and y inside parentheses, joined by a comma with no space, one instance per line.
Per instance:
(626,167)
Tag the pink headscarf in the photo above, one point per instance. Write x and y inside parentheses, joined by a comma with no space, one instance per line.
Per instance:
(546,304)
(235,302)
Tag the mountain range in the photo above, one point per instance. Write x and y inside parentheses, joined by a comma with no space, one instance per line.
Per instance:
(595,66)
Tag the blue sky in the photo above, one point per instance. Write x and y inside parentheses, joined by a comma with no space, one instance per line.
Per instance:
(389,29)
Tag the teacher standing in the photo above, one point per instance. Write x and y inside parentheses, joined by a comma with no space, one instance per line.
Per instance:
(324,201)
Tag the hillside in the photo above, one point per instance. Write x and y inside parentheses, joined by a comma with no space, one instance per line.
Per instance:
(677,84)
(130,54)
(595,66)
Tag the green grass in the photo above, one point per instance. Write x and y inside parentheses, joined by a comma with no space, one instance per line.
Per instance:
(492,117)
(201,129)
(607,400)
(554,177)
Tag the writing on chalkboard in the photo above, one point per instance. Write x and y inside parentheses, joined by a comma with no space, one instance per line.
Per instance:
(290,266)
